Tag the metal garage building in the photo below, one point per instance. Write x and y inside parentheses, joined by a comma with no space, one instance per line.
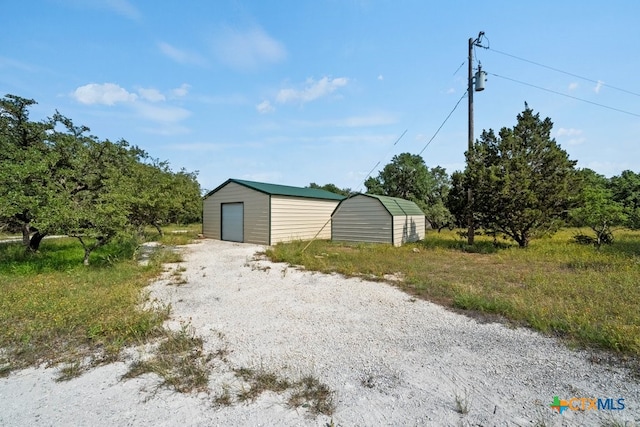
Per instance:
(377,219)
(257,212)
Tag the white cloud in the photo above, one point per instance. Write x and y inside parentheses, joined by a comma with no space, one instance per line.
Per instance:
(571,135)
(167,130)
(379,119)
(274,177)
(247,50)
(181,91)
(380,77)
(200,147)
(576,141)
(357,139)
(13,63)
(106,94)
(607,168)
(179,55)
(372,120)
(152,95)
(568,132)
(265,107)
(573,86)
(147,105)
(312,91)
(124,8)
(598,86)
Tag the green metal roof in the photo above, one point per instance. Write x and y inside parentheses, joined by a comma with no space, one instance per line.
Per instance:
(282,190)
(396,206)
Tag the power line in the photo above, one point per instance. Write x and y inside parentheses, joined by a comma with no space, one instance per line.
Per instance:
(427,144)
(443,123)
(600,82)
(566,95)
(461,65)
(377,164)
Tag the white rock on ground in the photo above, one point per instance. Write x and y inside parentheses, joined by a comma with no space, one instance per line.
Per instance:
(391,360)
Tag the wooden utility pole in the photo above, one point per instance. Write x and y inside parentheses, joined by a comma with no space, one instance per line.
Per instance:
(470,89)
(471,231)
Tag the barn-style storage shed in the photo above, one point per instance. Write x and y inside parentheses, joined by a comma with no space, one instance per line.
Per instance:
(257,212)
(377,219)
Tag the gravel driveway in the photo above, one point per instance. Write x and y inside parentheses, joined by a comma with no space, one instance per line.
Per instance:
(391,360)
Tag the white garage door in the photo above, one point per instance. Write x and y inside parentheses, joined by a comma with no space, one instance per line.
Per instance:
(232,222)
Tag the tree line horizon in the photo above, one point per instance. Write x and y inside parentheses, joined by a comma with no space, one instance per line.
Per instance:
(524,186)
(56,178)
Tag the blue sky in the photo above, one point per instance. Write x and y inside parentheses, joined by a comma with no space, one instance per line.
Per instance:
(297,91)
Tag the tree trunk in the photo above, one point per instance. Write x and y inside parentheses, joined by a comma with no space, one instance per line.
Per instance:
(157,226)
(522,240)
(598,241)
(26,233)
(87,250)
(34,243)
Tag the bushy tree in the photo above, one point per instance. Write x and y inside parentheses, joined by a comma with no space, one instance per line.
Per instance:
(332,188)
(374,186)
(408,177)
(25,166)
(92,180)
(625,189)
(55,177)
(523,182)
(435,204)
(599,212)
(186,198)
(456,201)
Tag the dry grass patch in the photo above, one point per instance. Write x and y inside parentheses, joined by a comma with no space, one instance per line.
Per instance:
(179,361)
(311,394)
(308,392)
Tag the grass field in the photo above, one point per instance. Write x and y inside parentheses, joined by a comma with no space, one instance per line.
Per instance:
(53,309)
(589,297)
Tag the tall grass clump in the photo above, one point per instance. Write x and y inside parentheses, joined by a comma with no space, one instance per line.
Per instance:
(556,286)
(179,360)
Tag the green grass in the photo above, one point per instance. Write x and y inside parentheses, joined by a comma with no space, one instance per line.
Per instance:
(55,310)
(174,235)
(555,286)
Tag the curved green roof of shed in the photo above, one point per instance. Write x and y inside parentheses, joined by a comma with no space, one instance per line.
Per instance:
(397,206)
(282,190)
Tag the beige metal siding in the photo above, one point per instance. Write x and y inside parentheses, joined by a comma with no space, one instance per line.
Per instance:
(256,212)
(362,219)
(299,218)
(407,229)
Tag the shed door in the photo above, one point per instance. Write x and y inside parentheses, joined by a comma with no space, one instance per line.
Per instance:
(232,222)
